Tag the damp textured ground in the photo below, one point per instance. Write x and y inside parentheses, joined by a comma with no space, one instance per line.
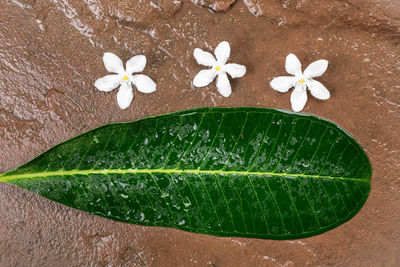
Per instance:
(50,56)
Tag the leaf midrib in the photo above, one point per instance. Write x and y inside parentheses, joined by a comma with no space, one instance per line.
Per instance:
(47,174)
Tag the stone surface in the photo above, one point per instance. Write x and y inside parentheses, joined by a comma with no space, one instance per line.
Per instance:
(223,5)
(50,56)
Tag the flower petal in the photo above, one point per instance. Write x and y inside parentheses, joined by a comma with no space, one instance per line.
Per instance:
(108,83)
(223,85)
(125,95)
(282,83)
(204,77)
(204,58)
(235,70)
(298,99)
(318,90)
(144,83)
(113,63)
(136,64)
(222,52)
(316,68)
(293,65)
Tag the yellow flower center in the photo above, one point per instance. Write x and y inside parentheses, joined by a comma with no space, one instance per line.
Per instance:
(125,78)
(301,80)
(218,68)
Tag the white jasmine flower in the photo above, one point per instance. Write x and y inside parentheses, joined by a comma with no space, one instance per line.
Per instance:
(217,68)
(125,78)
(301,81)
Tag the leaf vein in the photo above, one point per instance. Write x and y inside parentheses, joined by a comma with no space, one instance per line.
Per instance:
(262,143)
(212,203)
(259,203)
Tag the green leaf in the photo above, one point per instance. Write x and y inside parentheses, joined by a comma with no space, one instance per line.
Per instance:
(250,172)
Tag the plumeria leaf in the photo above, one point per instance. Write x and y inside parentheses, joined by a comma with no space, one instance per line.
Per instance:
(249,172)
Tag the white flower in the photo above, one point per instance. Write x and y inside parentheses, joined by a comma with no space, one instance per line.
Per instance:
(125,78)
(301,81)
(218,68)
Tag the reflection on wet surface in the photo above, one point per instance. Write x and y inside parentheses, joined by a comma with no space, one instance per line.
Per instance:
(50,56)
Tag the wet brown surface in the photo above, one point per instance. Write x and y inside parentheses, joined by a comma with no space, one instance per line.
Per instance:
(50,56)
